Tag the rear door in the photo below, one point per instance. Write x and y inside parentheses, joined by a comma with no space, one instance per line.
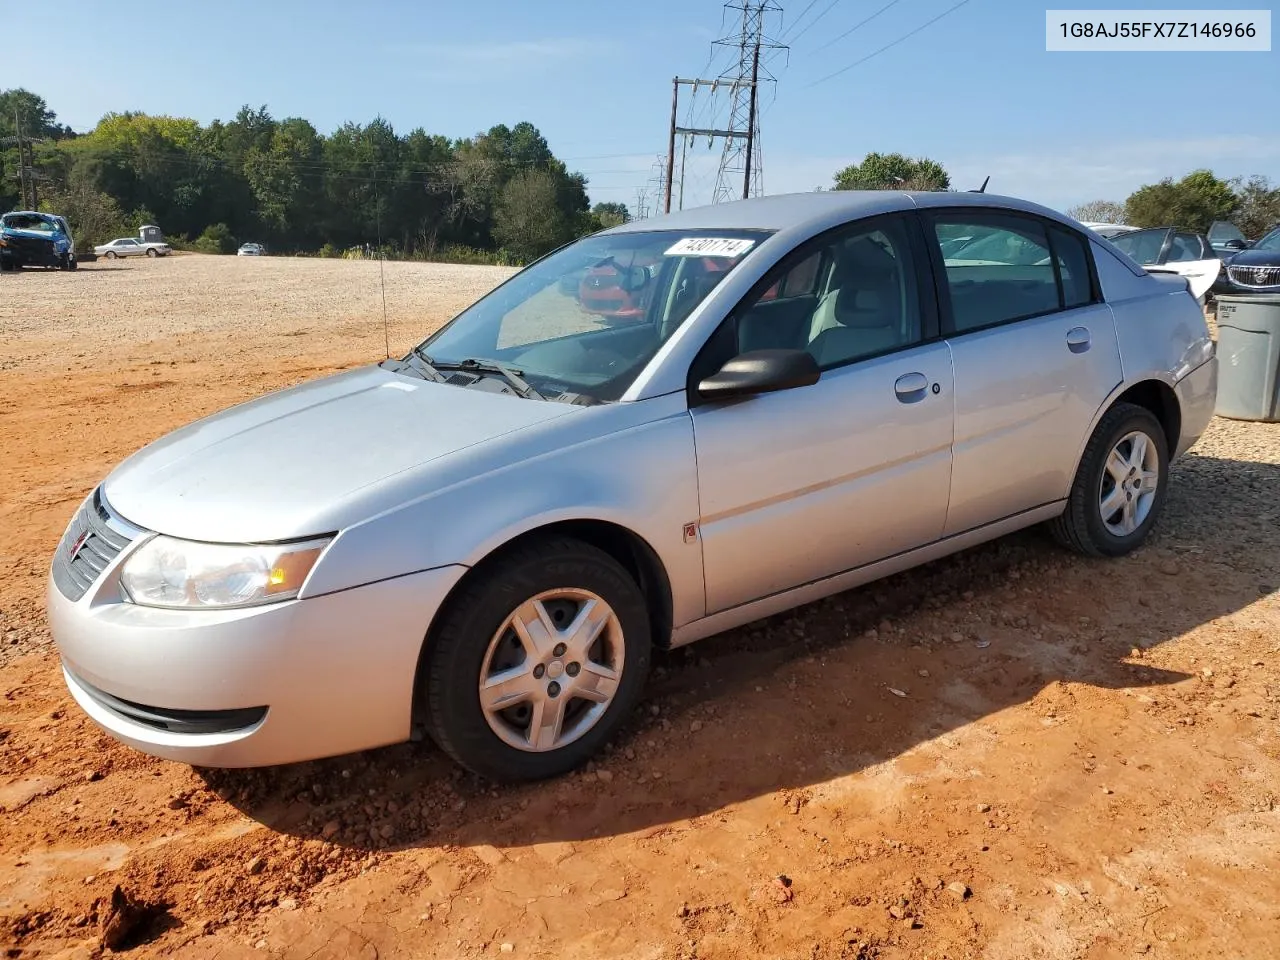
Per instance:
(1035,356)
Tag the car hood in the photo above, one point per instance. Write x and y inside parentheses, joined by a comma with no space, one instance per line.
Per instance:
(32,234)
(1256,258)
(280,466)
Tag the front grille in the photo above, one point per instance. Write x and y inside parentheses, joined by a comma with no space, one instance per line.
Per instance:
(31,250)
(1254,276)
(90,543)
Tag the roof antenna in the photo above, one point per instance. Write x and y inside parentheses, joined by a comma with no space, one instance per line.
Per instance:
(983,188)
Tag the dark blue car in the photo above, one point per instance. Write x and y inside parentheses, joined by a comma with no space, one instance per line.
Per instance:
(31,239)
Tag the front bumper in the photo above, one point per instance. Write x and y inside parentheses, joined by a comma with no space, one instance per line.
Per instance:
(278,683)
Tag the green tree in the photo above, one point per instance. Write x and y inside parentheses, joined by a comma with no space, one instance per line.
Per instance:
(256,177)
(610,215)
(94,216)
(216,238)
(1259,209)
(528,221)
(1192,203)
(1098,211)
(286,184)
(893,171)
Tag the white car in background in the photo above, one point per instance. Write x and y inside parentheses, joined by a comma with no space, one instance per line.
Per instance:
(1107,230)
(251,250)
(1169,250)
(132,247)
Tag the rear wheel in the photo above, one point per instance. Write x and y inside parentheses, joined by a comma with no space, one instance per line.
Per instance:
(537,662)
(1120,486)
(110,255)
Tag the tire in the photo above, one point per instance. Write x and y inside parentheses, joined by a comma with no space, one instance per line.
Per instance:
(152,253)
(109,255)
(1083,527)
(474,641)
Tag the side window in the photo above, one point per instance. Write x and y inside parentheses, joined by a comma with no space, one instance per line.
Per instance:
(800,281)
(1005,272)
(1142,245)
(1185,247)
(854,297)
(1073,266)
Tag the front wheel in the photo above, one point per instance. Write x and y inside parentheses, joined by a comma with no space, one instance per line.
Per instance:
(152,253)
(537,662)
(1120,486)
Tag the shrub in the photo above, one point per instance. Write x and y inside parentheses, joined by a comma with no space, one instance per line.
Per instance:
(215,239)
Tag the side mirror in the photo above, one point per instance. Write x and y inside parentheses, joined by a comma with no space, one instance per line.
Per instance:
(760,371)
(1235,245)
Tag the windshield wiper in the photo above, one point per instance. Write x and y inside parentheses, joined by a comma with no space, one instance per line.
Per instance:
(427,364)
(471,364)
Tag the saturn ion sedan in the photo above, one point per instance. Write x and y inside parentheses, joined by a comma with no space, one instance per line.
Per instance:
(492,533)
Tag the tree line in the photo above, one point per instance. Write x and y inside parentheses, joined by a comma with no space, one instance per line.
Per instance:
(499,196)
(1192,203)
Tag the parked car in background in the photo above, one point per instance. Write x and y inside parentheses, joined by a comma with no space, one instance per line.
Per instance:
(1108,229)
(1226,239)
(493,532)
(32,239)
(131,247)
(1169,250)
(251,250)
(1255,269)
(616,291)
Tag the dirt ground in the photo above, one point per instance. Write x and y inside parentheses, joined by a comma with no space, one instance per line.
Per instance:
(1009,754)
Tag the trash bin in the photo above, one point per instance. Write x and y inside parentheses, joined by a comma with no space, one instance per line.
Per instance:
(1249,357)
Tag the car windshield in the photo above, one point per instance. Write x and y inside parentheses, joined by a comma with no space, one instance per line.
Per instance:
(22,221)
(1270,242)
(585,320)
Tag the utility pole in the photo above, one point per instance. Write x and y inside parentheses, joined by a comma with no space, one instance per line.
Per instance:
(711,133)
(671,145)
(27,176)
(22,156)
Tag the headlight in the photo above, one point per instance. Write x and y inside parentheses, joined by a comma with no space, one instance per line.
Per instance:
(180,573)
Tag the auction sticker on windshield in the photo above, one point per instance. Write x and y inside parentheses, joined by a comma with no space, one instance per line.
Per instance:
(709,247)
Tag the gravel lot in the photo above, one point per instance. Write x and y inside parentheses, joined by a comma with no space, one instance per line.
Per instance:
(1085,763)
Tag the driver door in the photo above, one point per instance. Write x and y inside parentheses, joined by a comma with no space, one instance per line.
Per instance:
(799,485)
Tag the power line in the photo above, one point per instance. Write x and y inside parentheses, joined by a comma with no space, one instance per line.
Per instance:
(887,46)
(827,9)
(797,21)
(859,24)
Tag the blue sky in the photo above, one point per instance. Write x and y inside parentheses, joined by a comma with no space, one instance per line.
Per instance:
(976,91)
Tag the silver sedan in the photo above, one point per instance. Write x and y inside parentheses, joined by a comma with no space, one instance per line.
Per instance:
(493,532)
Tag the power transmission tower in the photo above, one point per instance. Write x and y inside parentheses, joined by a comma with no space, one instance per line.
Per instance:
(740,157)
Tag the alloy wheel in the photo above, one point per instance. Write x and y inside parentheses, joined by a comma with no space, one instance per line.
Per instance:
(552,669)
(1129,484)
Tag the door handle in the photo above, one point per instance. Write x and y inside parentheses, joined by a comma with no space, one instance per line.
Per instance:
(1078,339)
(911,387)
